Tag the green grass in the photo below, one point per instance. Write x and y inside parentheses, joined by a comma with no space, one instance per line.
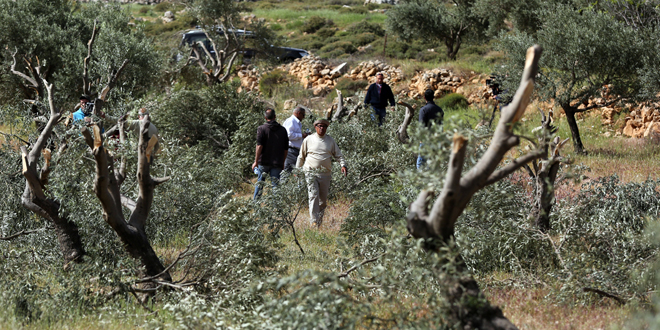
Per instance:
(340,19)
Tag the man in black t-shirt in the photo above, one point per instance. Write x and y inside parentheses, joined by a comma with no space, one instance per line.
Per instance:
(378,94)
(427,114)
(271,152)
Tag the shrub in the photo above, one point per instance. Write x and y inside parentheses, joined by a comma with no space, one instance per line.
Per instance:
(453,100)
(325,32)
(366,27)
(349,86)
(315,23)
(343,46)
(276,27)
(363,39)
(271,80)
(211,114)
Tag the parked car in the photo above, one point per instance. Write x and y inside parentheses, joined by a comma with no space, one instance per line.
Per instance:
(283,54)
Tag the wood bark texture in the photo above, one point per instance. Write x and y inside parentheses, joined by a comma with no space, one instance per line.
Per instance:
(437,226)
(36,178)
(107,183)
(402,131)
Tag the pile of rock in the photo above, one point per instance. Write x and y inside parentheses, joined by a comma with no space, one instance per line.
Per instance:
(314,73)
(442,81)
(249,78)
(643,121)
(368,70)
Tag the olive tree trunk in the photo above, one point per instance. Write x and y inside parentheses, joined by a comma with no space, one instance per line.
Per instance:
(107,188)
(572,124)
(437,227)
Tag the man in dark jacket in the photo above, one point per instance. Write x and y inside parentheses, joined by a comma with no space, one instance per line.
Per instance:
(378,94)
(272,149)
(428,114)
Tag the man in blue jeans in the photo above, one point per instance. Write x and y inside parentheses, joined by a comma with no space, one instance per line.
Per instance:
(378,94)
(271,152)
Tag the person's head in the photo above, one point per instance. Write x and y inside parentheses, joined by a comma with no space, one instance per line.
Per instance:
(142,112)
(84,99)
(269,114)
(428,95)
(380,77)
(321,126)
(299,112)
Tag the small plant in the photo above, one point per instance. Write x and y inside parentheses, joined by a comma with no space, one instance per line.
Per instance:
(271,80)
(315,23)
(349,86)
(366,26)
(453,100)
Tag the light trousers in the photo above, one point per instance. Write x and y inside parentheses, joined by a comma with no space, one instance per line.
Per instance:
(318,186)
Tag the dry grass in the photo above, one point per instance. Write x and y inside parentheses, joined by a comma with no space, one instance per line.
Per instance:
(528,309)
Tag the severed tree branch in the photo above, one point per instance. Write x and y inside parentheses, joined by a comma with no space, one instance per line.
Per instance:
(402,132)
(87,85)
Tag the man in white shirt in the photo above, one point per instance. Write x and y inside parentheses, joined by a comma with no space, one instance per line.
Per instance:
(294,130)
(315,158)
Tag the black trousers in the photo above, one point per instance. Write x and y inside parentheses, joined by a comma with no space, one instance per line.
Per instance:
(291,159)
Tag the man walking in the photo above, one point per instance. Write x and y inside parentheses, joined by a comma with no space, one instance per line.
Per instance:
(315,158)
(272,148)
(378,94)
(293,128)
(427,114)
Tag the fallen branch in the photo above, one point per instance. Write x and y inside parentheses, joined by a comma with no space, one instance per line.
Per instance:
(22,233)
(605,294)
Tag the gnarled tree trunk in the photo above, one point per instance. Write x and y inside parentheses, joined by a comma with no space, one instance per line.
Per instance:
(437,227)
(107,183)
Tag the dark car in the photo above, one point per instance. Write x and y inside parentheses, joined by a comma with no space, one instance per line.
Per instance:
(283,54)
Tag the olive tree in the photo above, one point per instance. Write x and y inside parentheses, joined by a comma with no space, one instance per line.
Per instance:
(437,226)
(225,41)
(449,22)
(584,51)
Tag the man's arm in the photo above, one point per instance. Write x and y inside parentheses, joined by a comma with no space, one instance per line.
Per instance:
(336,153)
(367,97)
(257,154)
(302,155)
(390,96)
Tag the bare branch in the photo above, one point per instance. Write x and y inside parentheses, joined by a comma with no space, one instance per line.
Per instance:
(22,233)
(402,132)
(605,294)
(513,166)
(364,262)
(87,85)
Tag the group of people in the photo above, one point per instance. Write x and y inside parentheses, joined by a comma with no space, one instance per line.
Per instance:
(283,147)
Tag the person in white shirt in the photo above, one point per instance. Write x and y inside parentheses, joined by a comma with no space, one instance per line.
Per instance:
(296,136)
(315,158)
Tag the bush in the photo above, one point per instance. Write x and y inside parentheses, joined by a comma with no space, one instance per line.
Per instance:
(453,100)
(325,32)
(211,114)
(349,86)
(315,23)
(342,46)
(366,27)
(271,80)
(363,39)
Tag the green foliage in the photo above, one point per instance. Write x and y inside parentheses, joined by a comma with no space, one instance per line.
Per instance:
(438,21)
(366,27)
(453,100)
(349,86)
(582,51)
(315,23)
(326,32)
(272,80)
(339,47)
(212,114)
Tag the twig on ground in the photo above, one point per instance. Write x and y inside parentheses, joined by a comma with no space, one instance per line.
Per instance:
(22,233)
(606,294)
